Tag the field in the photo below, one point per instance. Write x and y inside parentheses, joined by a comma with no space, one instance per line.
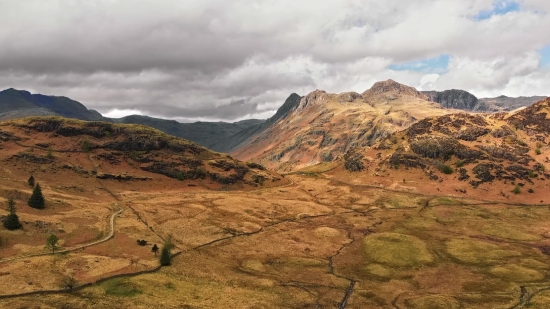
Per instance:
(314,243)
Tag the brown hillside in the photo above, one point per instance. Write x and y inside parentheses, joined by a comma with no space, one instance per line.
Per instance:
(324,126)
(129,155)
(482,156)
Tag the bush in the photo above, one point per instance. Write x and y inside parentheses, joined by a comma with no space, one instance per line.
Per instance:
(517,189)
(538,151)
(180,176)
(459,163)
(142,242)
(85,145)
(445,169)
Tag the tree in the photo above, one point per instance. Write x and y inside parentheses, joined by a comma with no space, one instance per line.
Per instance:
(37,199)
(51,242)
(31,181)
(68,282)
(165,256)
(155,249)
(11,222)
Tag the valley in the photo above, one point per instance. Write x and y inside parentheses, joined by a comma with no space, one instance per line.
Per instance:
(421,213)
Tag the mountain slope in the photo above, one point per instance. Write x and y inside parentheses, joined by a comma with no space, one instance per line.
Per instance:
(14,103)
(486,156)
(124,153)
(206,134)
(457,99)
(19,104)
(242,137)
(324,126)
(463,100)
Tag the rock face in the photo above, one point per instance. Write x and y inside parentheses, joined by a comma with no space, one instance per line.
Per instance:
(393,87)
(456,99)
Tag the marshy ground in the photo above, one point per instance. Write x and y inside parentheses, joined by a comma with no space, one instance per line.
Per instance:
(315,243)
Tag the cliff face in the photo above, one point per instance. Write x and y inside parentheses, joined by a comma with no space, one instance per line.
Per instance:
(456,99)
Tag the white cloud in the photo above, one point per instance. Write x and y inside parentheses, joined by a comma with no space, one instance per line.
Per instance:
(216,59)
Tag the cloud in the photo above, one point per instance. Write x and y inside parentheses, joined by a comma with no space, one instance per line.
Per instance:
(225,60)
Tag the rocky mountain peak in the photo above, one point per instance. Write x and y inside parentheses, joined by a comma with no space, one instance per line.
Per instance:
(391,86)
(314,98)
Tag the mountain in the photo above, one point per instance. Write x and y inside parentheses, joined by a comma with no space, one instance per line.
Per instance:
(121,152)
(242,137)
(207,134)
(323,126)
(457,99)
(483,156)
(504,103)
(460,99)
(18,103)
(392,87)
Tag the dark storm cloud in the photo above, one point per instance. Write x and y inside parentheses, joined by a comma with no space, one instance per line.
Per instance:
(223,59)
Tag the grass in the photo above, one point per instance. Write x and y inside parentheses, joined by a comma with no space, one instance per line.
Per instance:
(475,252)
(433,302)
(121,287)
(515,273)
(511,232)
(396,250)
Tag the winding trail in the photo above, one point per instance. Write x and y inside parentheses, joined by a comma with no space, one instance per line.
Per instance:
(104,239)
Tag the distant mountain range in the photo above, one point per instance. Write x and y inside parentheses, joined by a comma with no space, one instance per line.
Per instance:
(460,99)
(234,137)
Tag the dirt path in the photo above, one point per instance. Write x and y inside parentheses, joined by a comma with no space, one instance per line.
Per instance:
(104,239)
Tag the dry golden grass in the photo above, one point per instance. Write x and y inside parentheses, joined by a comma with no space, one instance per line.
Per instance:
(291,246)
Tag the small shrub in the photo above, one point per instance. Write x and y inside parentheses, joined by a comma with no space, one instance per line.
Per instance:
(445,169)
(459,163)
(516,190)
(180,176)
(50,153)
(531,174)
(142,242)
(538,151)
(85,145)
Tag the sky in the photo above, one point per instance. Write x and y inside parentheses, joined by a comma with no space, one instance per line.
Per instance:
(222,60)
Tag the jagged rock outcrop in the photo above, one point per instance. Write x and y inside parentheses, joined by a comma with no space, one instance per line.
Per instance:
(316,97)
